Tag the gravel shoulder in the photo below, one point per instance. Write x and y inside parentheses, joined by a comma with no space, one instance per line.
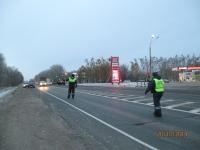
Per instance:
(28,123)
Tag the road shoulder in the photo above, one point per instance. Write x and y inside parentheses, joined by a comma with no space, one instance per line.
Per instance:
(27,123)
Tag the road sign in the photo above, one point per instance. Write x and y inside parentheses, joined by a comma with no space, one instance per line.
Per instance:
(115,70)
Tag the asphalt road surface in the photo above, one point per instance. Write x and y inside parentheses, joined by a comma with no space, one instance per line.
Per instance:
(122,118)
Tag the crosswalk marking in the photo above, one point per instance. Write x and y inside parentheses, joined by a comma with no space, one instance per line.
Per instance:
(113,97)
(164,101)
(117,94)
(197,110)
(177,105)
(149,103)
(132,98)
(143,100)
(125,95)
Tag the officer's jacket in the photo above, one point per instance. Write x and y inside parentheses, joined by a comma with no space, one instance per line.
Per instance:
(152,85)
(72,81)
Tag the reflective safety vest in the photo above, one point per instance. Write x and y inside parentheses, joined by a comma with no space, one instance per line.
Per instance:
(72,80)
(159,85)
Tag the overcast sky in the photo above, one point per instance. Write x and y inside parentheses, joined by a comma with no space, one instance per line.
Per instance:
(35,34)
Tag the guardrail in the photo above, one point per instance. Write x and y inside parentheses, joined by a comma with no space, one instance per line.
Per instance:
(130,84)
(141,84)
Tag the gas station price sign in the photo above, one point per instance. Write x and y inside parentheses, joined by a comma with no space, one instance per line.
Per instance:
(115,70)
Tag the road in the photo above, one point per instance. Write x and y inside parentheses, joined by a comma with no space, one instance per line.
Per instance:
(122,118)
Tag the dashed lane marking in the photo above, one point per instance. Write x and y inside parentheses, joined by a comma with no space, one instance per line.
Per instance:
(197,110)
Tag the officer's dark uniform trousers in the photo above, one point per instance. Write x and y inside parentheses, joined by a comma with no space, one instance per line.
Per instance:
(156,99)
(71,89)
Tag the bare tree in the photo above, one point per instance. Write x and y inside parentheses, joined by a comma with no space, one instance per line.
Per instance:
(95,70)
(124,71)
(9,76)
(54,73)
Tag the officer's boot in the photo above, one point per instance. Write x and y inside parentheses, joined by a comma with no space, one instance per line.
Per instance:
(68,96)
(72,96)
(157,112)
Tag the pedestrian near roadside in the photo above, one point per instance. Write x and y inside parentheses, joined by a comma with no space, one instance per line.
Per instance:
(157,88)
(72,81)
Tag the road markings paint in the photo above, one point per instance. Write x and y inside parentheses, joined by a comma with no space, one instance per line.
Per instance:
(197,110)
(138,97)
(122,96)
(127,101)
(167,100)
(133,98)
(105,123)
(145,99)
(177,105)
(164,101)
(149,103)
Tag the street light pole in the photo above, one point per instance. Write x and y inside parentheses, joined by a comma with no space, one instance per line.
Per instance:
(150,57)
(150,61)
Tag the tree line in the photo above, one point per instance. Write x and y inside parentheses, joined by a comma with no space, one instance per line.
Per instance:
(98,70)
(95,70)
(9,76)
(54,73)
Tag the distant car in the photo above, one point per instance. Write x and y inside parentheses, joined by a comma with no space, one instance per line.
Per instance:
(42,83)
(127,81)
(25,85)
(61,82)
(166,81)
(31,85)
(28,85)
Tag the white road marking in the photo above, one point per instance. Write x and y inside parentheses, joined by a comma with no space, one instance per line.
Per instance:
(164,101)
(124,96)
(127,101)
(167,100)
(132,98)
(177,105)
(149,103)
(105,123)
(145,99)
(113,97)
(139,97)
(195,110)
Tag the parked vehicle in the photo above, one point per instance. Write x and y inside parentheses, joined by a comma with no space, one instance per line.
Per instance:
(28,85)
(166,81)
(61,82)
(31,85)
(25,85)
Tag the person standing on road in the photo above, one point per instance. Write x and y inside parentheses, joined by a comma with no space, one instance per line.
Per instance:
(72,81)
(157,87)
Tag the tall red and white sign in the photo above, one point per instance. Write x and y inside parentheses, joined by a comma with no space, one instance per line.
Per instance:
(115,70)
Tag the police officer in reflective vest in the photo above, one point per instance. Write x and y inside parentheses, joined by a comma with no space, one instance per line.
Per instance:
(72,81)
(157,87)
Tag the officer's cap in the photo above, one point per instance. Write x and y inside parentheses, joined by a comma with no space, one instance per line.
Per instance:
(155,74)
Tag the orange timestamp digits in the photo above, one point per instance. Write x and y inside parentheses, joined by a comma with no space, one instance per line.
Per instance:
(172,133)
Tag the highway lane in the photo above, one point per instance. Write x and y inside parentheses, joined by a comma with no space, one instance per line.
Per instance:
(191,96)
(134,119)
